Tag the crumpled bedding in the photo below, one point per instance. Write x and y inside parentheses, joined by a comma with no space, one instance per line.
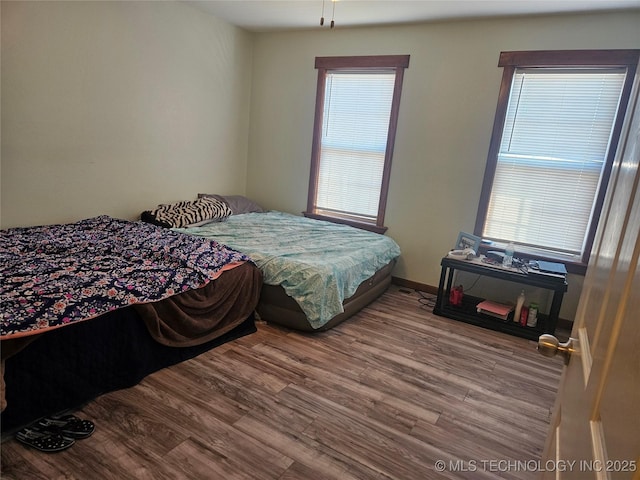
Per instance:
(197,316)
(55,275)
(318,263)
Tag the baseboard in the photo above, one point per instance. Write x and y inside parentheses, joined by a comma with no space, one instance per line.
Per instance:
(563,324)
(422,287)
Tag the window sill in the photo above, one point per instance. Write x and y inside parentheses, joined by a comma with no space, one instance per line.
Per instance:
(361,225)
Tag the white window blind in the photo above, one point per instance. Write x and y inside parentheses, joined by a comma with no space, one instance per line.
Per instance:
(553,149)
(357,109)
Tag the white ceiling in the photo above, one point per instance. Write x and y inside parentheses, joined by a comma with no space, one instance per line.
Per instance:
(266,15)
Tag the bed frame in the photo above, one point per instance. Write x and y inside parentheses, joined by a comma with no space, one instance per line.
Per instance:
(275,306)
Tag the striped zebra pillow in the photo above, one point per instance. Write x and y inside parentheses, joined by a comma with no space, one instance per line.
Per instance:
(182,214)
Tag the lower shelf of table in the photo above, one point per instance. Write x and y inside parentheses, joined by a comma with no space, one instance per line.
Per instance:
(467,313)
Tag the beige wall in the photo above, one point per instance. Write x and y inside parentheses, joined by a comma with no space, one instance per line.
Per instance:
(114,107)
(446,116)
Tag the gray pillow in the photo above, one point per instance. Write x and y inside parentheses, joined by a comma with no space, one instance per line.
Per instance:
(238,203)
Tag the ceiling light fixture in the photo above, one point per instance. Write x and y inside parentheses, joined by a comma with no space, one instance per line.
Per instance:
(333,13)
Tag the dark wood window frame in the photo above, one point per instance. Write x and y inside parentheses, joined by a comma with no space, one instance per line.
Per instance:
(558,58)
(324,64)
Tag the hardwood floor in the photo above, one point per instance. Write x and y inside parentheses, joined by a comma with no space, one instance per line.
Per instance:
(385,395)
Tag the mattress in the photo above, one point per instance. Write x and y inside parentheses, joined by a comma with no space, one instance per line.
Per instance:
(319,265)
(276,306)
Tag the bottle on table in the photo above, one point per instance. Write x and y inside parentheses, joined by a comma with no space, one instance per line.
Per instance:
(519,304)
(532,321)
(509,251)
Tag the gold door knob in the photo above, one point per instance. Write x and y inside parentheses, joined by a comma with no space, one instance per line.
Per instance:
(550,346)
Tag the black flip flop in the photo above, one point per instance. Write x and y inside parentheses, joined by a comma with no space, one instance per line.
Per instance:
(68,426)
(43,441)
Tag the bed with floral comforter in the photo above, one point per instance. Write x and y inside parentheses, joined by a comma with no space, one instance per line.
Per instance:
(55,275)
(96,305)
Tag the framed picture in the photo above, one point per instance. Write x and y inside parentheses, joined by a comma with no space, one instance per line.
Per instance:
(467,240)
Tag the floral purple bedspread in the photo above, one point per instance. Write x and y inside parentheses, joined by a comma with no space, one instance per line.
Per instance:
(55,275)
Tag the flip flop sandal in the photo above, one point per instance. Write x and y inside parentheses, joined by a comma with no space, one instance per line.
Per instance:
(43,440)
(68,425)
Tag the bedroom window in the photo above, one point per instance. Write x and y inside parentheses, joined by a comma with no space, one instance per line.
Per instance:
(554,140)
(357,102)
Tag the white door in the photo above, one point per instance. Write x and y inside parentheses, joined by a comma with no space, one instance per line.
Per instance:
(595,430)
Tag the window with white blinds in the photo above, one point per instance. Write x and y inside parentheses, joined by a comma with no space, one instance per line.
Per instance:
(555,135)
(357,104)
(357,109)
(554,146)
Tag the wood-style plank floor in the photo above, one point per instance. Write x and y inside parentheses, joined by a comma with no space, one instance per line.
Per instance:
(393,393)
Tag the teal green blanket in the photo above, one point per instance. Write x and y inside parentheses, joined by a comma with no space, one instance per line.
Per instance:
(318,263)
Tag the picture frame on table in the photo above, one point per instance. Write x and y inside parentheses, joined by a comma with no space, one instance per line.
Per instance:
(468,240)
